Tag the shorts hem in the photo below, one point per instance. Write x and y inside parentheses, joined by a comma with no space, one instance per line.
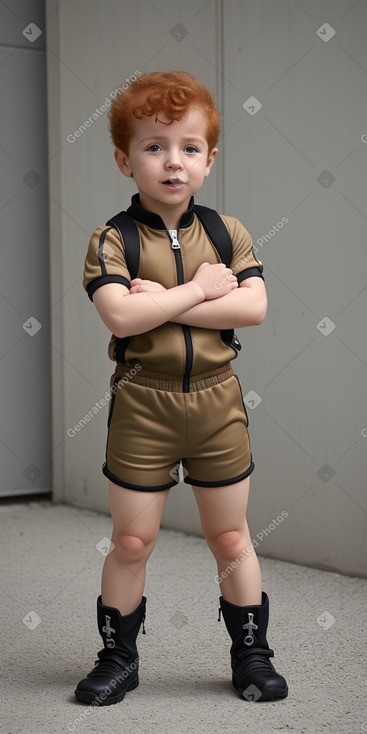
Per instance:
(222,482)
(136,487)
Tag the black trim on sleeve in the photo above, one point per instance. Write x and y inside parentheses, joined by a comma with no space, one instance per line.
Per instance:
(98,282)
(249,273)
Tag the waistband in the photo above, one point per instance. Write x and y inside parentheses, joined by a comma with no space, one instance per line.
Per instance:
(173,383)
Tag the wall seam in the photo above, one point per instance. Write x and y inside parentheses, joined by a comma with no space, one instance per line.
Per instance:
(219,65)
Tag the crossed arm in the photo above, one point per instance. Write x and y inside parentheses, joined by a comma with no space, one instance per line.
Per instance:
(244,306)
(200,302)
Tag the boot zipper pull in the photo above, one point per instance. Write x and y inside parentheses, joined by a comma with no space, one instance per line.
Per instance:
(219,614)
(249,627)
(174,241)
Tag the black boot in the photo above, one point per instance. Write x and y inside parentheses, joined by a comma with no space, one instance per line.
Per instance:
(252,672)
(116,670)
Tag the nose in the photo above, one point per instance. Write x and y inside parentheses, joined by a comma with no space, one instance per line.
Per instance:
(173,159)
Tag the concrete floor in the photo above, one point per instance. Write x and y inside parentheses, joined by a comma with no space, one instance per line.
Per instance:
(50,580)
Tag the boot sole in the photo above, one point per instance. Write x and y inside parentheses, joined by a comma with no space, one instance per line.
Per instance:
(91,698)
(272,695)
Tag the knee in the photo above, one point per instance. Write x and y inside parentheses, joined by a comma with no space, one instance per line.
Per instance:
(228,544)
(130,548)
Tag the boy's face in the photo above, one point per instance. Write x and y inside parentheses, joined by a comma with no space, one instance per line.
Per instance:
(168,161)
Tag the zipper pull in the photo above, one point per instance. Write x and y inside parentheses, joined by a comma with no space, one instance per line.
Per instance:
(174,241)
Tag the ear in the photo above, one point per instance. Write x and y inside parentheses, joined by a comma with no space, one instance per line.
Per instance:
(211,158)
(122,161)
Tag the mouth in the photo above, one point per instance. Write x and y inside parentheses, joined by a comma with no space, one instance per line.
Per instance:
(174,183)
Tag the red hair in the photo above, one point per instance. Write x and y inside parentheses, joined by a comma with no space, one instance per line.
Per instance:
(171,92)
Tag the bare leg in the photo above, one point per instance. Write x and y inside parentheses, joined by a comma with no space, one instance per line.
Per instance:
(136,519)
(223,518)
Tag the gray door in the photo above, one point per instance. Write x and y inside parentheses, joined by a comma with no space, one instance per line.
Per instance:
(25,423)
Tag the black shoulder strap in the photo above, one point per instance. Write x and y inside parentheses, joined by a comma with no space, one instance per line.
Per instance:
(129,235)
(221,239)
(217,232)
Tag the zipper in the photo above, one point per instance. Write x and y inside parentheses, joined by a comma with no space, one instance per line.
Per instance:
(186,329)
(174,241)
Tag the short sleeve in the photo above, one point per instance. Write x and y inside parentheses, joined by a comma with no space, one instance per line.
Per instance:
(244,262)
(105,261)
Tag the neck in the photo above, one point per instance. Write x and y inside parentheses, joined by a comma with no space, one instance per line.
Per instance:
(171,215)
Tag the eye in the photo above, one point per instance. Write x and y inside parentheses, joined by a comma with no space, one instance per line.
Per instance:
(154,148)
(191,149)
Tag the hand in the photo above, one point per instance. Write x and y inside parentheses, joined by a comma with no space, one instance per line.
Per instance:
(145,286)
(216,280)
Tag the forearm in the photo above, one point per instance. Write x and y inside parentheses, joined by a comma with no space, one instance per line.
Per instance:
(238,308)
(142,312)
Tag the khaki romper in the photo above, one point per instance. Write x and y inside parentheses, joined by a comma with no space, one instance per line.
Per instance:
(174,396)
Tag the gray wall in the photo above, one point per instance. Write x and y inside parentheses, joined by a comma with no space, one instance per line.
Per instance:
(25,363)
(293,170)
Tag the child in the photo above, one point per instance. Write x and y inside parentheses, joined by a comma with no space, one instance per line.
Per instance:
(175,396)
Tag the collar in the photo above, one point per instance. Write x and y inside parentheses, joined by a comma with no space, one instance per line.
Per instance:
(154,220)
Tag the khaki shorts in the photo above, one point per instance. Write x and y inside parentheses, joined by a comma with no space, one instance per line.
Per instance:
(158,434)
